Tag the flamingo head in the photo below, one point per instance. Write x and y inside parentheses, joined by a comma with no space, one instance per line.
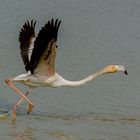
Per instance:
(115,68)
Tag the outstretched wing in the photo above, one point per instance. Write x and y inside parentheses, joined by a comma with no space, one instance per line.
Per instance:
(45,49)
(26,39)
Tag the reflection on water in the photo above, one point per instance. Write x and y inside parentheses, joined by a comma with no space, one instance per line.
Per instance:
(92,35)
(55,126)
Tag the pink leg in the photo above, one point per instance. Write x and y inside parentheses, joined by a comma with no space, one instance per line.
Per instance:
(16,106)
(9,82)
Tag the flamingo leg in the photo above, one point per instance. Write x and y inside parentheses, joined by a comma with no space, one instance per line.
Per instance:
(16,106)
(9,82)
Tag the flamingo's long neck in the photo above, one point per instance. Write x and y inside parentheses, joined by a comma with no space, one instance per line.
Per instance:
(83,81)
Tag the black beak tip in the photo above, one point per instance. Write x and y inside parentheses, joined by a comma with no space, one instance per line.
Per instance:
(125,72)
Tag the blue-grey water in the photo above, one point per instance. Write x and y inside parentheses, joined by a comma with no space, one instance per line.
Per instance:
(93,34)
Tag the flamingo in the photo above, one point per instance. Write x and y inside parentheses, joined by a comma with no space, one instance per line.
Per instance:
(38,55)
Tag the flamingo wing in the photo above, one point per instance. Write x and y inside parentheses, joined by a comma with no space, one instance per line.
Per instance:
(45,49)
(26,39)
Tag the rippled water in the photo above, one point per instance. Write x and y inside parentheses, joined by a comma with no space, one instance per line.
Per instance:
(92,35)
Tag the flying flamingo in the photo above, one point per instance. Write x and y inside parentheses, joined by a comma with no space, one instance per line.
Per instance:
(38,54)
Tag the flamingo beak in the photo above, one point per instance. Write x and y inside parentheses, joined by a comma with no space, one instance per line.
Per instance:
(125,72)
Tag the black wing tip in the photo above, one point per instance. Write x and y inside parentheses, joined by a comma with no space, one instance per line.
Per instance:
(27,30)
(30,23)
(54,22)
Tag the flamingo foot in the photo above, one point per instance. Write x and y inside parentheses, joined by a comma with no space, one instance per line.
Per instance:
(14,114)
(30,108)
